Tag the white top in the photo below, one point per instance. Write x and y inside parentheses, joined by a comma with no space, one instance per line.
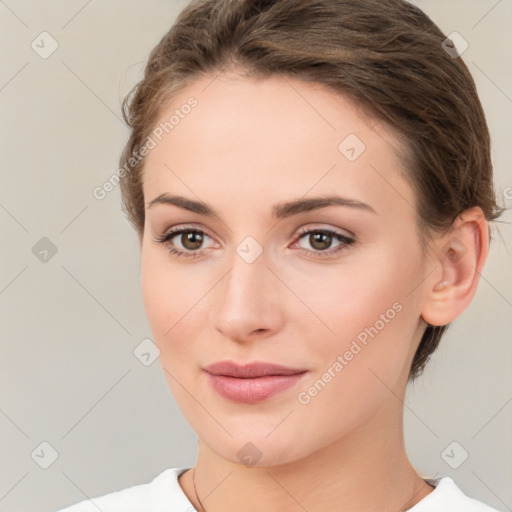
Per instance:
(164,494)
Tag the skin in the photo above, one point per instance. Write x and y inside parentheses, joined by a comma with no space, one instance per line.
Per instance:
(248,145)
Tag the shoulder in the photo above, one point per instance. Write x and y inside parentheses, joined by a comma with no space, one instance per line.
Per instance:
(160,493)
(447,497)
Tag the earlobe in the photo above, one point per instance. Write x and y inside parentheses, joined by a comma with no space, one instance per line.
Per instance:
(460,259)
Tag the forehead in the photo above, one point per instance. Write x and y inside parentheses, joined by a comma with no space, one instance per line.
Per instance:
(269,137)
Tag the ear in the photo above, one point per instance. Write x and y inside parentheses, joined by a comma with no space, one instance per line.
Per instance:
(460,258)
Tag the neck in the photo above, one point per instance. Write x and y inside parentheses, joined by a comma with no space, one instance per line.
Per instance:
(365,470)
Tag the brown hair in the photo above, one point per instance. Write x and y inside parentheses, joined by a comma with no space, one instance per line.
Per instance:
(385,55)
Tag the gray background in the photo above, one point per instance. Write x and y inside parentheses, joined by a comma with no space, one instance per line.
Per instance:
(69,325)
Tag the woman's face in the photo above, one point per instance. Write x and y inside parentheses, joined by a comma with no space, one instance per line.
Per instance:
(259,282)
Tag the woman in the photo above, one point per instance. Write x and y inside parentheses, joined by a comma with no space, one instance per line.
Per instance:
(312,187)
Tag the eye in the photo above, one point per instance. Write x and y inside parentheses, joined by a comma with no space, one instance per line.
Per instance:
(321,241)
(189,239)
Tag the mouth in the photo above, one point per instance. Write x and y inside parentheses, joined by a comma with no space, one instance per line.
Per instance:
(251,383)
(251,370)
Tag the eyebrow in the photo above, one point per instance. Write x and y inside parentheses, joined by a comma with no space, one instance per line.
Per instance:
(279,211)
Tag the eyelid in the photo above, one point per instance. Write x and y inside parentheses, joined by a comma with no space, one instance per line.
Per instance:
(175,230)
(322,227)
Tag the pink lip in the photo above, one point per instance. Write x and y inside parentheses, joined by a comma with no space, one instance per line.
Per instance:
(252,382)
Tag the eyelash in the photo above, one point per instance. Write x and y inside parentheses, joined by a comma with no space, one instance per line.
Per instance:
(166,237)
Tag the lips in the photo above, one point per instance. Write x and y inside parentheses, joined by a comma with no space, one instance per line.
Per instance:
(250,370)
(251,383)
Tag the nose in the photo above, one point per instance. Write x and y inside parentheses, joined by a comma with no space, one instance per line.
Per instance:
(248,301)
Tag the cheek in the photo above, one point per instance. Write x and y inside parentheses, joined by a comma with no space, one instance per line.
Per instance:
(371,315)
(171,299)
(162,295)
(368,355)
(169,296)
(155,292)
